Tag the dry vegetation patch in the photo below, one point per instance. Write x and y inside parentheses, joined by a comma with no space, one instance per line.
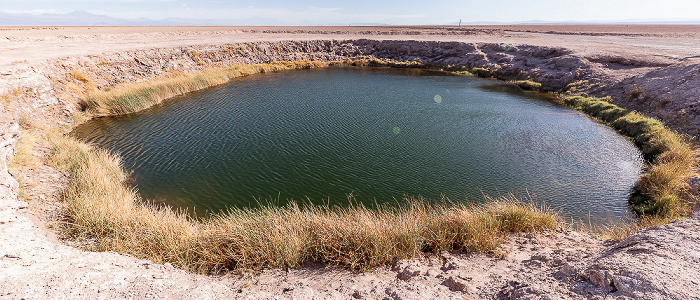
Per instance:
(103,207)
(108,214)
(662,191)
(132,97)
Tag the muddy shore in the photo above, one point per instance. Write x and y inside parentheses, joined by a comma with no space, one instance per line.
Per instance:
(653,69)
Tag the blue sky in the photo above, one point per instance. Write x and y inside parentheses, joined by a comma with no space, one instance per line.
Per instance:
(316,12)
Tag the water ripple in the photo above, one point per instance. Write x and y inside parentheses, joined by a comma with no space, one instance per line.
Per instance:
(376,133)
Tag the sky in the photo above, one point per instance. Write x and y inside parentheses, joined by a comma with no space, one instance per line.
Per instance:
(402,12)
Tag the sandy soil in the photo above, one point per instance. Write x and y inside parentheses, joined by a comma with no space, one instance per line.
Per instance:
(659,263)
(667,44)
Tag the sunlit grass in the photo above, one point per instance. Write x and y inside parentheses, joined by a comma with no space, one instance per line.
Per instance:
(105,210)
(101,205)
(527,84)
(662,190)
(132,97)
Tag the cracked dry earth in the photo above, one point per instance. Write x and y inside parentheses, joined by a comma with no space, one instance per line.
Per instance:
(658,263)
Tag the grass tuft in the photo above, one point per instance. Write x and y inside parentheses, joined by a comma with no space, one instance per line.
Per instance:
(662,190)
(103,208)
(528,84)
(25,157)
(132,97)
(101,205)
(623,228)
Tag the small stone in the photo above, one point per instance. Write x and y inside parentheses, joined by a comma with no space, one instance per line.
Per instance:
(456,284)
(540,257)
(567,273)
(11,255)
(598,278)
(407,274)
(358,294)
(449,266)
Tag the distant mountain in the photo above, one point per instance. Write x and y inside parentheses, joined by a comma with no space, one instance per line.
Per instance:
(77,18)
(83,18)
(617,22)
(369,24)
(613,22)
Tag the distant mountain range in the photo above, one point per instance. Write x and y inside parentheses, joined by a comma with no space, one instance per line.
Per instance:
(614,22)
(83,18)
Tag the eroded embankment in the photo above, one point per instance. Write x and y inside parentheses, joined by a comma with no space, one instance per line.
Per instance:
(97,81)
(74,80)
(667,92)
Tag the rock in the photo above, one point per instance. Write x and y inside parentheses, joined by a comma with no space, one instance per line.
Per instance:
(407,270)
(455,283)
(567,273)
(449,266)
(657,263)
(407,274)
(357,294)
(517,290)
(625,285)
(599,278)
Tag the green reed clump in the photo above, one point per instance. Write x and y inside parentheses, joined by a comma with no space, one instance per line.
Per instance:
(661,191)
(527,84)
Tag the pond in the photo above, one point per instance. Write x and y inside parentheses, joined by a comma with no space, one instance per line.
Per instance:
(378,134)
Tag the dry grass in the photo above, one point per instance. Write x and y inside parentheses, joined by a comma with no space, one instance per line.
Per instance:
(13,94)
(359,237)
(133,97)
(662,191)
(87,82)
(527,84)
(24,157)
(5,98)
(100,205)
(464,73)
(623,228)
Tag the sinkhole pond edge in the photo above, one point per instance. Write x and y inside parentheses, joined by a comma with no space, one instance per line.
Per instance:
(104,209)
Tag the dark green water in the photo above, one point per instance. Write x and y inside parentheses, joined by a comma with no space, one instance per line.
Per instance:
(376,133)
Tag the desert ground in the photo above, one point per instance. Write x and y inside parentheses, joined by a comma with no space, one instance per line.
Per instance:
(637,66)
(663,44)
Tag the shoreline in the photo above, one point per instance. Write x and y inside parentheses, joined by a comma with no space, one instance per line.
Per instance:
(143,61)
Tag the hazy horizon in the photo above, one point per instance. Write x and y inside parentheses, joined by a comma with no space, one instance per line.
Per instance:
(333,12)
